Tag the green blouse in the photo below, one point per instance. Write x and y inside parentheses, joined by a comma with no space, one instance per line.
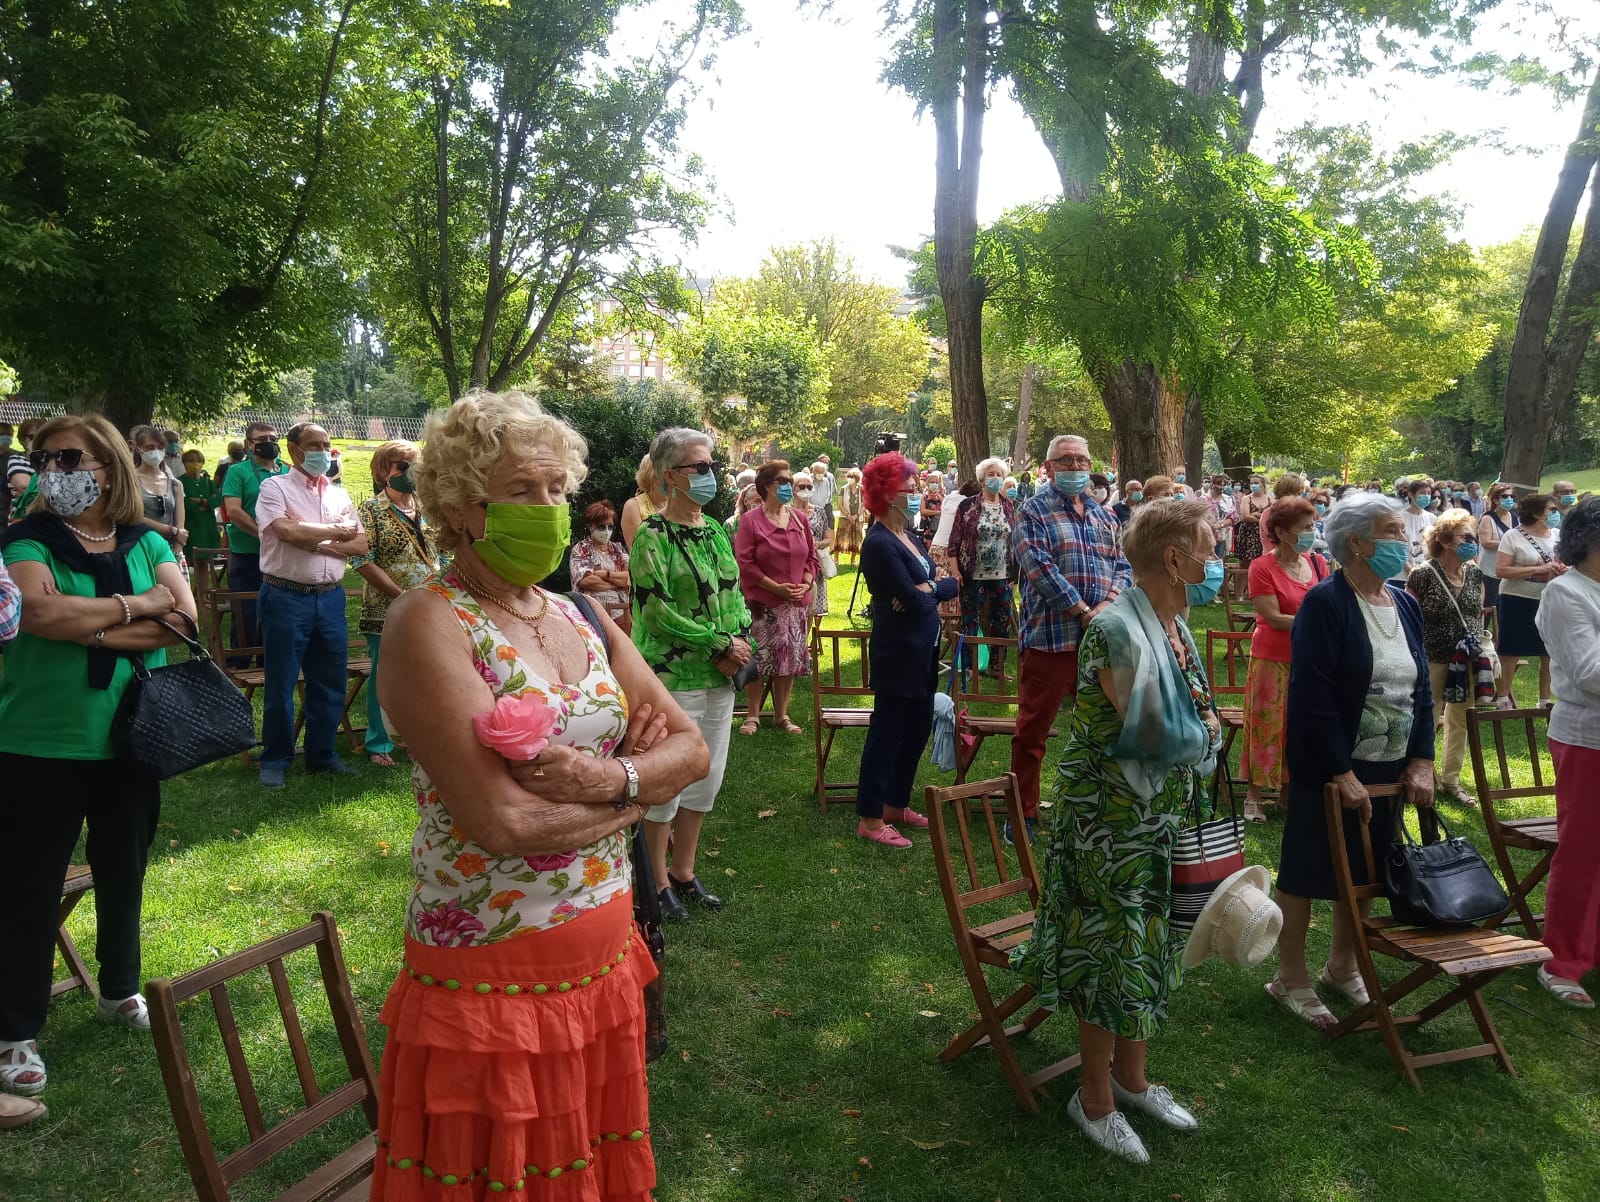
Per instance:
(687,604)
(201,496)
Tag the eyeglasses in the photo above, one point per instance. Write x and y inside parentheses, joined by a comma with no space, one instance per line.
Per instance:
(69,458)
(696,469)
(1073,461)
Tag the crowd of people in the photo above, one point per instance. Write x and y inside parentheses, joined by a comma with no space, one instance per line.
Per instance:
(569,718)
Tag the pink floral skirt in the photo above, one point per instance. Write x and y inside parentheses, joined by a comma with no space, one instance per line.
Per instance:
(1266,695)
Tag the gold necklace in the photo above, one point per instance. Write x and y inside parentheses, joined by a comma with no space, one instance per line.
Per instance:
(532,620)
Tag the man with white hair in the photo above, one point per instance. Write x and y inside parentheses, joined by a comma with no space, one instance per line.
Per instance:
(823,486)
(952,478)
(1069,555)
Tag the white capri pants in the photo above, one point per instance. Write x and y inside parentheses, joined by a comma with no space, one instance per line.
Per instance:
(712,711)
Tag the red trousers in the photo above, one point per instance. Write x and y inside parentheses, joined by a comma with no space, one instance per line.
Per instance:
(1572,896)
(1044,680)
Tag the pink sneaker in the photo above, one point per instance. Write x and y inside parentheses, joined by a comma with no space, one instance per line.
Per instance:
(885,835)
(910,817)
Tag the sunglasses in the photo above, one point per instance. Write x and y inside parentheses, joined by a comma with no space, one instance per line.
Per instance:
(697,469)
(69,458)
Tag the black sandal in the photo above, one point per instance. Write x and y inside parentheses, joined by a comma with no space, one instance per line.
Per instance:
(692,890)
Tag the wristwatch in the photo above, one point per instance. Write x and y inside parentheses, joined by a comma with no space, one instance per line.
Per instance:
(631,793)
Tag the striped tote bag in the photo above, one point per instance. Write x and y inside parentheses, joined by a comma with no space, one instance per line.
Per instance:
(1206,853)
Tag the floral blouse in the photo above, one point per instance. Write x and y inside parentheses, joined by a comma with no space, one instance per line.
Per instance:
(613,557)
(466,895)
(398,547)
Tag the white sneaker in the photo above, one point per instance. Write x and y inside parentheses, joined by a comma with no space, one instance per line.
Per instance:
(1158,1103)
(1504,703)
(126,1012)
(1111,1132)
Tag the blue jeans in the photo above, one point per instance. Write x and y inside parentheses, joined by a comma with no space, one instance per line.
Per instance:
(303,632)
(378,740)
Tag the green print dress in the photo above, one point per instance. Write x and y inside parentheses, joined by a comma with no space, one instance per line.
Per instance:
(1102,940)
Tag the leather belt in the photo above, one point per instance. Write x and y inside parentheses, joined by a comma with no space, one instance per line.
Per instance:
(294,586)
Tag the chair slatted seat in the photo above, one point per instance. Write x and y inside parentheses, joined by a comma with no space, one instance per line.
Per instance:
(1488,729)
(1471,956)
(344,1178)
(960,819)
(998,684)
(832,676)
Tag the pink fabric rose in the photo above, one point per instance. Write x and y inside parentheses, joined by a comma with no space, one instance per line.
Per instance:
(518,727)
(550,863)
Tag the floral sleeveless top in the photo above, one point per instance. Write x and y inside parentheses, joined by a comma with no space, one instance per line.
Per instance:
(465,895)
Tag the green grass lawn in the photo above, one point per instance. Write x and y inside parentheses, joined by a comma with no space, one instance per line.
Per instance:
(1587,481)
(805,1023)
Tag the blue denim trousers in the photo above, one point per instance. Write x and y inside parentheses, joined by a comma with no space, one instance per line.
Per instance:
(303,632)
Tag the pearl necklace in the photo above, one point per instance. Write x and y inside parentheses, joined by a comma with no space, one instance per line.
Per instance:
(1378,622)
(89,538)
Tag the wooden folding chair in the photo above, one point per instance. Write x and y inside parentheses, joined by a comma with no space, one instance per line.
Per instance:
(1471,955)
(1241,615)
(80,879)
(1227,675)
(977,881)
(345,1178)
(996,686)
(831,676)
(1538,834)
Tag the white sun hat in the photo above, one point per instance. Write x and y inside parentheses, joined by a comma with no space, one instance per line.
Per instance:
(1240,922)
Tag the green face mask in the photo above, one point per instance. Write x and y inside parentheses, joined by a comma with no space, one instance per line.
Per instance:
(522,544)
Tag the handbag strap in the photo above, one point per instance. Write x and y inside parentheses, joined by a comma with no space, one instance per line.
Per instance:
(1466,630)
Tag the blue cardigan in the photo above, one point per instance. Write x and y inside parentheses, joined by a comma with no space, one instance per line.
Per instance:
(905,641)
(1329,672)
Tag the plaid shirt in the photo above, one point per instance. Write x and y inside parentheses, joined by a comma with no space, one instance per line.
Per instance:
(10,605)
(1064,559)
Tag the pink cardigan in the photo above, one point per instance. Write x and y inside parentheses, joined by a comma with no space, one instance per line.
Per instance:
(764,550)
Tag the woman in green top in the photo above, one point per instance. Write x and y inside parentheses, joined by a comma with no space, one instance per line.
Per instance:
(90,570)
(201,496)
(692,626)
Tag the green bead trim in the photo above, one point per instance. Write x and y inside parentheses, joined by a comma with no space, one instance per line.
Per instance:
(452,984)
(586,980)
(541,989)
(604,969)
(448,1179)
(636,1135)
(513,990)
(554,1173)
(425,979)
(496,1186)
(405,1162)
(564,987)
(482,987)
(579,1164)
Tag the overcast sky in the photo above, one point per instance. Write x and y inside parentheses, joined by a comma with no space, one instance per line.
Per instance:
(804,142)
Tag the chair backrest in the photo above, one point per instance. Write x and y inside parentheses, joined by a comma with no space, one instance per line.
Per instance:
(973,686)
(1228,676)
(1349,892)
(213,1175)
(832,672)
(1512,735)
(1241,615)
(212,606)
(969,876)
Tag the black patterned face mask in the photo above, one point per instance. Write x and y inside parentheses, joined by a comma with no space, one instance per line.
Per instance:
(69,494)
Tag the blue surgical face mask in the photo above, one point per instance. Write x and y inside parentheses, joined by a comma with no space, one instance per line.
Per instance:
(1070,484)
(1255,487)
(1508,503)
(1553,519)
(317,463)
(1388,557)
(1303,541)
(1569,498)
(1180,478)
(1206,591)
(1466,552)
(1012,492)
(1321,508)
(1136,496)
(703,488)
(1422,501)
(786,493)
(913,504)
(993,484)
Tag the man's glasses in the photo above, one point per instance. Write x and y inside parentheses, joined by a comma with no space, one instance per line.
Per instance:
(69,458)
(695,469)
(1073,461)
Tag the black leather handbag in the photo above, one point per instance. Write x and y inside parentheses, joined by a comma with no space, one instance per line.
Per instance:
(1440,883)
(183,715)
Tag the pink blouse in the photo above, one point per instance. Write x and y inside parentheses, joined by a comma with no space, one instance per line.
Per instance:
(766,551)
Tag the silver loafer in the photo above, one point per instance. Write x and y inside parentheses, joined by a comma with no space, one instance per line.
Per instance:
(1110,1132)
(1158,1103)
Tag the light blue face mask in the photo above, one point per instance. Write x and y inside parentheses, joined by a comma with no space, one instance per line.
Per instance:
(1303,541)
(317,463)
(1553,519)
(1388,557)
(913,505)
(1321,508)
(1206,591)
(994,484)
(786,493)
(1569,498)
(1423,502)
(703,488)
(1070,484)
(1466,552)
(1012,492)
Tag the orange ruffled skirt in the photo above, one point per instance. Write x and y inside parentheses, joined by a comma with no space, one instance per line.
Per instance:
(516,1070)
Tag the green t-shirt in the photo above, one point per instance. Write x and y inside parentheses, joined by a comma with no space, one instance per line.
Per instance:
(47,707)
(244,481)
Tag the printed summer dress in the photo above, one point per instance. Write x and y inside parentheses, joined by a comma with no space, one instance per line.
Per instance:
(1101,938)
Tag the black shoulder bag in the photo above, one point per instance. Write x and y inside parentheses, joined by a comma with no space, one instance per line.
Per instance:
(1444,882)
(646,898)
(183,715)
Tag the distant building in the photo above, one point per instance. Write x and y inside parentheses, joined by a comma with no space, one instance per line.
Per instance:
(634,354)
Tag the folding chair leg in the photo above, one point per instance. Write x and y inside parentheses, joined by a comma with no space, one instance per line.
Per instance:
(978,1034)
(1486,1027)
(977,746)
(991,1029)
(822,771)
(357,743)
(78,972)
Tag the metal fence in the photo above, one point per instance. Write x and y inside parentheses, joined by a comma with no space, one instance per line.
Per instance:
(358,426)
(18,411)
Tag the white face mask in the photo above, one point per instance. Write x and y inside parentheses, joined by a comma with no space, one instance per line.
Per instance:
(601,534)
(1101,494)
(153,458)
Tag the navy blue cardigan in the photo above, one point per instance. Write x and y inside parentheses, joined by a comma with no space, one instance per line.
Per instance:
(1329,672)
(905,641)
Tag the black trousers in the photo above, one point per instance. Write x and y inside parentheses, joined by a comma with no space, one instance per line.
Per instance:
(46,804)
(244,576)
(896,739)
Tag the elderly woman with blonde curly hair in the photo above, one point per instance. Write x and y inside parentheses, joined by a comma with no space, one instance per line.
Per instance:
(650,499)
(516,1024)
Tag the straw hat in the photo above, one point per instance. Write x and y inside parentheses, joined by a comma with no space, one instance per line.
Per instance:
(1240,922)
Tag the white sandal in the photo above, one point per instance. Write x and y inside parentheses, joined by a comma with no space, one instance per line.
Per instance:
(1304,1004)
(120,1013)
(1569,993)
(18,1059)
(1353,989)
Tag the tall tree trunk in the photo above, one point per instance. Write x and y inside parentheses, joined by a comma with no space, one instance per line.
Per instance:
(1194,436)
(1531,403)
(1019,444)
(125,409)
(1146,418)
(960,94)
(1234,448)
